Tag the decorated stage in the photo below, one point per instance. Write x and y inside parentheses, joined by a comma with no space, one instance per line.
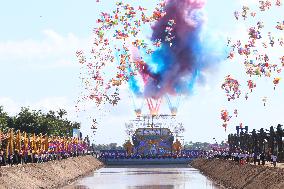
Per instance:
(153,140)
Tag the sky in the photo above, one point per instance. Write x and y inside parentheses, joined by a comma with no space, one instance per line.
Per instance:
(39,69)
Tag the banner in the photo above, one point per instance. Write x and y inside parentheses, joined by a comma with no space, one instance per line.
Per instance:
(113,153)
(192,153)
(76,133)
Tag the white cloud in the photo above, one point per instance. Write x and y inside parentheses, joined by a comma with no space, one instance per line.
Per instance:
(49,103)
(9,105)
(53,51)
(248,2)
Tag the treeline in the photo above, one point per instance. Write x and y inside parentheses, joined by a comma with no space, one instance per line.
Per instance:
(37,122)
(110,146)
(197,146)
(267,141)
(203,145)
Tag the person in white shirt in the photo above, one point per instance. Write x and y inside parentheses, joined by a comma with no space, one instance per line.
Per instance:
(258,158)
(274,159)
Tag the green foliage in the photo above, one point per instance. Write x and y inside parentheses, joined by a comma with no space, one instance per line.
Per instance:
(111,146)
(197,146)
(4,119)
(267,141)
(32,121)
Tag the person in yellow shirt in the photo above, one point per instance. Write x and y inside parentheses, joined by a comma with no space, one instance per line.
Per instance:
(10,147)
(177,147)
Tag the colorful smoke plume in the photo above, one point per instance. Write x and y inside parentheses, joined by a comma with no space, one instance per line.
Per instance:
(178,63)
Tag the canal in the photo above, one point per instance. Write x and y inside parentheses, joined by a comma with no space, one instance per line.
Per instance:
(145,177)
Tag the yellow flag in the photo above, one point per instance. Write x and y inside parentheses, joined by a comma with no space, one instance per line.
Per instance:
(11,141)
(0,139)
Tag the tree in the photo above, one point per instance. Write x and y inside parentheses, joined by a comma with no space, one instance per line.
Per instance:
(271,139)
(254,140)
(261,139)
(257,142)
(26,120)
(111,146)
(32,121)
(242,140)
(279,135)
(61,113)
(4,119)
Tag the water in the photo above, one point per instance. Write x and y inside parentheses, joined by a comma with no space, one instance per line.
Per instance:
(145,177)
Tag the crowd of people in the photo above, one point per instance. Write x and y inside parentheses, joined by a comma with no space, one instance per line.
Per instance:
(19,147)
(243,157)
(122,154)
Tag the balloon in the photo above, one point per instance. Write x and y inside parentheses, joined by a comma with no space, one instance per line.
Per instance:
(231,87)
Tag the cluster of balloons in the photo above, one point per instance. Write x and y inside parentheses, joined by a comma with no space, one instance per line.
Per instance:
(257,60)
(113,37)
(231,87)
(251,85)
(225,117)
(151,50)
(112,64)
(256,50)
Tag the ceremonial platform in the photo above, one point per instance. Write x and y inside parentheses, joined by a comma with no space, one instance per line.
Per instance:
(151,143)
(149,149)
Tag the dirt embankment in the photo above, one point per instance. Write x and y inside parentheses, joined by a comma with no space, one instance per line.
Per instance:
(47,175)
(232,175)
